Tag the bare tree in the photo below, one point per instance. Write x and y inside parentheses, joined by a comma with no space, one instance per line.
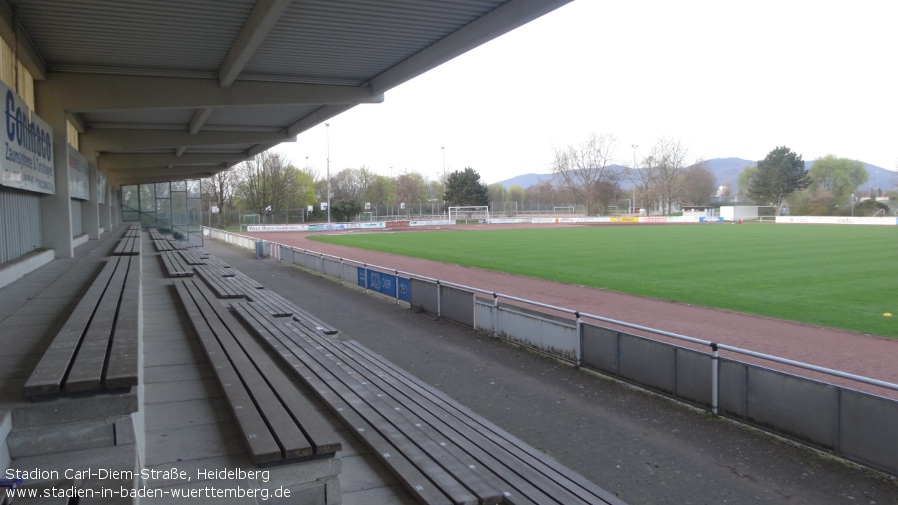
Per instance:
(411,188)
(581,168)
(219,191)
(644,180)
(267,183)
(352,184)
(700,185)
(668,170)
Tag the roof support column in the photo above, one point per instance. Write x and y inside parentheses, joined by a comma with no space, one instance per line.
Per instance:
(56,209)
(90,210)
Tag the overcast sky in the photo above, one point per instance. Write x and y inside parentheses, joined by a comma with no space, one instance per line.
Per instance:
(726,80)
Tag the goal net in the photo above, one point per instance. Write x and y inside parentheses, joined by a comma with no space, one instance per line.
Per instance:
(470,214)
(249,219)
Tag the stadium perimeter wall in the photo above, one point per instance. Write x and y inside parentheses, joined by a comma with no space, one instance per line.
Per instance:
(852,424)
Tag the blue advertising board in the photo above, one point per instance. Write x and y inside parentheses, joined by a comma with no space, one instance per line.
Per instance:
(384,283)
(405,289)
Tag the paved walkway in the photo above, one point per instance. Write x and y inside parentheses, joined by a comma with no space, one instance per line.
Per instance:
(643,448)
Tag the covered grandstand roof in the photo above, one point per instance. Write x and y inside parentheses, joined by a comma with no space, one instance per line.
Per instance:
(172,89)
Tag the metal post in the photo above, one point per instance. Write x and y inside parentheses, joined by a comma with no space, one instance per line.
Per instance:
(495,315)
(341,271)
(715,367)
(579,337)
(366,277)
(439,301)
(396,285)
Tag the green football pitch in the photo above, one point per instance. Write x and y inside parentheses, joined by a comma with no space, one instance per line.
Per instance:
(827,275)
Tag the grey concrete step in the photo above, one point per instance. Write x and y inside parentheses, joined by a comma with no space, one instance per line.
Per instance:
(98,474)
(5,428)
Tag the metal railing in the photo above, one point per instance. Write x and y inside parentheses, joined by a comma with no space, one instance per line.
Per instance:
(713,347)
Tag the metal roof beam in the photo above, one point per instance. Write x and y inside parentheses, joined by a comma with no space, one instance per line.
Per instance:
(95,92)
(260,22)
(124,140)
(499,21)
(117,161)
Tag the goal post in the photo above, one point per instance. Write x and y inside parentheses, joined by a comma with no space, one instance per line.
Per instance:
(469,214)
(249,219)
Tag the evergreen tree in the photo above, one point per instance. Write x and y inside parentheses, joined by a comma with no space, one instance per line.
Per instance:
(777,176)
(464,188)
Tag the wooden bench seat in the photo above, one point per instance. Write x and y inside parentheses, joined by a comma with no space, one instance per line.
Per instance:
(194,257)
(174,264)
(223,287)
(440,451)
(278,423)
(231,283)
(96,350)
(163,245)
(128,246)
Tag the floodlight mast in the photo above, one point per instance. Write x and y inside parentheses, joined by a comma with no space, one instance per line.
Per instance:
(328,126)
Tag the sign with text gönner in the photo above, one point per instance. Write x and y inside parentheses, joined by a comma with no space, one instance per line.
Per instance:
(27,147)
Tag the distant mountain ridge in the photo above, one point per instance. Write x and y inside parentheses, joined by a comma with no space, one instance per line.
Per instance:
(726,170)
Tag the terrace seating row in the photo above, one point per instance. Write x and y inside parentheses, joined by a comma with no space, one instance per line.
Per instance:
(278,423)
(174,264)
(96,351)
(130,242)
(439,450)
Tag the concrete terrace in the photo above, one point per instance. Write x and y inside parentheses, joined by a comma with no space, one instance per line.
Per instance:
(182,423)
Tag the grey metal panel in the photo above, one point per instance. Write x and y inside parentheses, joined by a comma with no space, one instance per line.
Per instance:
(868,430)
(647,362)
(424,295)
(75,211)
(529,328)
(286,253)
(350,273)
(599,348)
(693,376)
(803,408)
(458,305)
(732,388)
(20,227)
(301,258)
(331,268)
(483,315)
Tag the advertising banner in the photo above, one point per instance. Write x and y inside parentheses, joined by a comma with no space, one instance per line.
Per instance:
(277,227)
(79,175)
(28,148)
(405,289)
(382,282)
(887,221)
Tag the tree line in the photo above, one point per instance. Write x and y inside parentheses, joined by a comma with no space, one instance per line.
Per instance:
(587,176)
(277,191)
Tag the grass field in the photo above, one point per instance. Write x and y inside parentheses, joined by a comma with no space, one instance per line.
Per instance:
(837,276)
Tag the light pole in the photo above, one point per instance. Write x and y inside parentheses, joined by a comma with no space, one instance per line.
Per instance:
(328,128)
(633,202)
(444,174)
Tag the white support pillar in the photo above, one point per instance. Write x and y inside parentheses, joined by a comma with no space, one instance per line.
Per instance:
(56,210)
(90,210)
